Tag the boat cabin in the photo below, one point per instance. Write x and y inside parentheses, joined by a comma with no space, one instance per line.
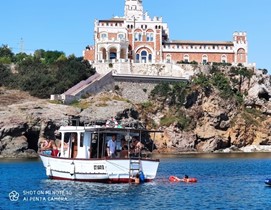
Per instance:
(92,142)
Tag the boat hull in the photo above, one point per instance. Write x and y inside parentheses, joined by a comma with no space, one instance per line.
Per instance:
(97,170)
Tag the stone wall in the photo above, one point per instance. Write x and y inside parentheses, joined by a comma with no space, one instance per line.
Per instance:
(134,77)
(136,91)
(148,69)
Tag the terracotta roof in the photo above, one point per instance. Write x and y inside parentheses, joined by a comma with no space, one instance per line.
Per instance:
(200,42)
(113,20)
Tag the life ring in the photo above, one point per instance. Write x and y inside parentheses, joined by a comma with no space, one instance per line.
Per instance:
(176,179)
(112,123)
(190,180)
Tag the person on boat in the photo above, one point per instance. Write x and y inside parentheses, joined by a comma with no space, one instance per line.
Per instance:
(123,144)
(94,143)
(138,146)
(54,149)
(65,148)
(124,152)
(111,147)
(137,179)
(46,146)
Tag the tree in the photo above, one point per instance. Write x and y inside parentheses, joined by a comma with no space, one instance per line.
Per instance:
(173,92)
(48,57)
(6,54)
(5,75)
(45,73)
(242,73)
(20,57)
(5,51)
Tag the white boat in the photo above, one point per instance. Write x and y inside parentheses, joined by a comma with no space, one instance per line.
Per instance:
(86,159)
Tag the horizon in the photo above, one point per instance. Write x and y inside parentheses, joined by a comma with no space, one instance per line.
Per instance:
(69,27)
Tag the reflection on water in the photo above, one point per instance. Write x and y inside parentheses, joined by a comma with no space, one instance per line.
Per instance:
(225,181)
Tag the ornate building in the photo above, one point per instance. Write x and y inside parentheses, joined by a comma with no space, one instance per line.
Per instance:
(138,38)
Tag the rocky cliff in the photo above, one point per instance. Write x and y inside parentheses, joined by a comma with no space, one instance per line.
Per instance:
(24,120)
(218,122)
(204,121)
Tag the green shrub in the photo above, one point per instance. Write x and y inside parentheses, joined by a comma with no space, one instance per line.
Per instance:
(146,104)
(202,80)
(167,121)
(183,122)
(180,121)
(174,92)
(5,60)
(161,89)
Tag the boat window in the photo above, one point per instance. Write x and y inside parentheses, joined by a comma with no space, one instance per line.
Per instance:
(81,140)
(101,147)
(94,146)
(74,142)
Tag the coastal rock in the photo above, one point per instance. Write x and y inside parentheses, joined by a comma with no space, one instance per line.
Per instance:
(211,145)
(256,148)
(16,147)
(206,122)
(180,141)
(24,124)
(104,106)
(21,118)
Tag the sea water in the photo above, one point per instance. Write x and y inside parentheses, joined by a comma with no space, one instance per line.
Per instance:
(225,181)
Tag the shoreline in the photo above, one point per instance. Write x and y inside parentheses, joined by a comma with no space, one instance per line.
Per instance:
(162,153)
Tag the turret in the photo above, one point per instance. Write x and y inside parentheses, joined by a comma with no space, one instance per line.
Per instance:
(240,47)
(133,9)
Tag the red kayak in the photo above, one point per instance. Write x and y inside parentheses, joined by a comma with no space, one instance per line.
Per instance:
(176,179)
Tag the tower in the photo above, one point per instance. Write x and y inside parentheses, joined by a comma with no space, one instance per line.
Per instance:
(133,9)
(240,47)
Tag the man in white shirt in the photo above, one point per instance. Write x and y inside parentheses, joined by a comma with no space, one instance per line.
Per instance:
(111,147)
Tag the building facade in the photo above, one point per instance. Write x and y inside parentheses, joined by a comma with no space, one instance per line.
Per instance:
(138,38)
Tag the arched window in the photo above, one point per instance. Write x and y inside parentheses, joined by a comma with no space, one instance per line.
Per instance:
(121,36)
(143,56)
(241,55)
(223,59)
(138,36)
(137,58)
(204,59)
(102,55)
(186,58)
(113,53)
(168,58)
(104,36)
(150,58)
(149,37)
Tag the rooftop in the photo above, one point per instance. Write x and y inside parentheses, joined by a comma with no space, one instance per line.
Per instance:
(200,42)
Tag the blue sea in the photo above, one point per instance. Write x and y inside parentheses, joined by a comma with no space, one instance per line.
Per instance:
(225,181)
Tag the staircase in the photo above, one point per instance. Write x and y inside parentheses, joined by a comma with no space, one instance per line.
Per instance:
(93,84)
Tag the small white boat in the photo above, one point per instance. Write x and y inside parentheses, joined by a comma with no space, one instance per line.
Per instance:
(82,156)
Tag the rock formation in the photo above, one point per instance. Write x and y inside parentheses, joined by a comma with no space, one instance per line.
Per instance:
(212,123)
